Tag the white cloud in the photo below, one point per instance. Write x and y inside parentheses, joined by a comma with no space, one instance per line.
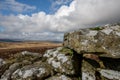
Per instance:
(15,6)
(80,14)
(57,3)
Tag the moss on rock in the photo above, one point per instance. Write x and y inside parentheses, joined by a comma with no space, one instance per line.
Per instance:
(66,51)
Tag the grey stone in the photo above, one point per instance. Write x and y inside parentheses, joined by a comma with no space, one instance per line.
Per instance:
(31,54)
(32,72)
(2,62)
(7,73)
(88,71)
(60,62)
(59,77)
(110,74)
(103,40)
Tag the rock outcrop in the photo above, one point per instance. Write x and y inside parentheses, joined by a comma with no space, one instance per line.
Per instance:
(55,64)
(87,54)
(103,41)
(100,49)
(62,60)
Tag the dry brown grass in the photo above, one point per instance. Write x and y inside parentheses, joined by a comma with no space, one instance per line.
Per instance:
(11,45)
(7,49)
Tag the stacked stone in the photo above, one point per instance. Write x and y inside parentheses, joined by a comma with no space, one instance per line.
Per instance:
(100,48)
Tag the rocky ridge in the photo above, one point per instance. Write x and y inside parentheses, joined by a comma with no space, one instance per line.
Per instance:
(87,54)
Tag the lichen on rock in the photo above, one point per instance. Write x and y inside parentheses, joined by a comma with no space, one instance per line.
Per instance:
(105,40)
(61,60)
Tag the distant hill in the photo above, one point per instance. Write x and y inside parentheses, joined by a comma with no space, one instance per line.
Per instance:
(10,40)
(18,40)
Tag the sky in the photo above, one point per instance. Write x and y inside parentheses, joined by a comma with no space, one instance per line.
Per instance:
(50,19)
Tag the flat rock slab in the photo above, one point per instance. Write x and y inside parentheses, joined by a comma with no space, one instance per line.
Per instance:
(103,41)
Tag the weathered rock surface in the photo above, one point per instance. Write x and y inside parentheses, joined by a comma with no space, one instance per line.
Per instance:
(32,72)
(88,71)
(59,77)
(2,62)
(31,54)
(32,66)
(110,74)
(92,71)
(7,73)
(104,41)
(61,59)
(100,50)
(17,62)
